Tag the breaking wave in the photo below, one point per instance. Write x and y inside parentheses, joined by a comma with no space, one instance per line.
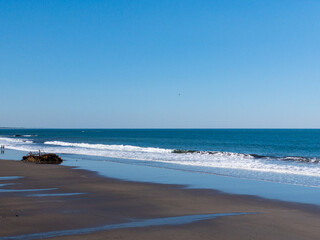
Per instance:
(184,158)
(9,141)
(127,148)
(17,135)
(217,153)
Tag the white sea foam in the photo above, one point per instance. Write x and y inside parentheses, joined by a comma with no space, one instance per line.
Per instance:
(9,141)
(126,148)
(219,160)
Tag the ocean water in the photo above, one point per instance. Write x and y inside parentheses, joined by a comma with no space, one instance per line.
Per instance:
(287,157)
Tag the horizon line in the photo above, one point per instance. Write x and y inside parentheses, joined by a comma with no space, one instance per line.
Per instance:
(222,128)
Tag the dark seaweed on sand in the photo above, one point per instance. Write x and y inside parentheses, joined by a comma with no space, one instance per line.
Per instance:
(46,158)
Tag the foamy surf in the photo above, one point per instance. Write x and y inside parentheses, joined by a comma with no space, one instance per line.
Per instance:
(210,159)
(9,141)
(127,148)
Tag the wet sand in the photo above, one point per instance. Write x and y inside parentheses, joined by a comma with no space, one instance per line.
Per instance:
(93,201)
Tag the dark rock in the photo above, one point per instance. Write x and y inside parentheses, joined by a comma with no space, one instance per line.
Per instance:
(184,151)
(48,158)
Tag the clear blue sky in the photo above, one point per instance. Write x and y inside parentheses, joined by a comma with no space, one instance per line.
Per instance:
(160,64)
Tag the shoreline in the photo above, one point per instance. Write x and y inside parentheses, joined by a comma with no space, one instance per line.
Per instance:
(132,170)
(110,201)
(126,169)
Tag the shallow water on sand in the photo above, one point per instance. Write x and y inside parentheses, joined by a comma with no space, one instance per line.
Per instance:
(133,224)
(54,194)
(131,170)
(198,180)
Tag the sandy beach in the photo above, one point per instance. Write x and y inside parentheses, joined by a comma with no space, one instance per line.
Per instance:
(93,201)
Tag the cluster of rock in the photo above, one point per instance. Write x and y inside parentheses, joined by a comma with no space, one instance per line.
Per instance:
(48,158)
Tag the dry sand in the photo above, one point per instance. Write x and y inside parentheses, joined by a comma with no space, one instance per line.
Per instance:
(111,201)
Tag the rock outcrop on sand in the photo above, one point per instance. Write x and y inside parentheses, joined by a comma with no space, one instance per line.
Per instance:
(47,158)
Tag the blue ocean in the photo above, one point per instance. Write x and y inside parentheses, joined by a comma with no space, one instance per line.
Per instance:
(285,156)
